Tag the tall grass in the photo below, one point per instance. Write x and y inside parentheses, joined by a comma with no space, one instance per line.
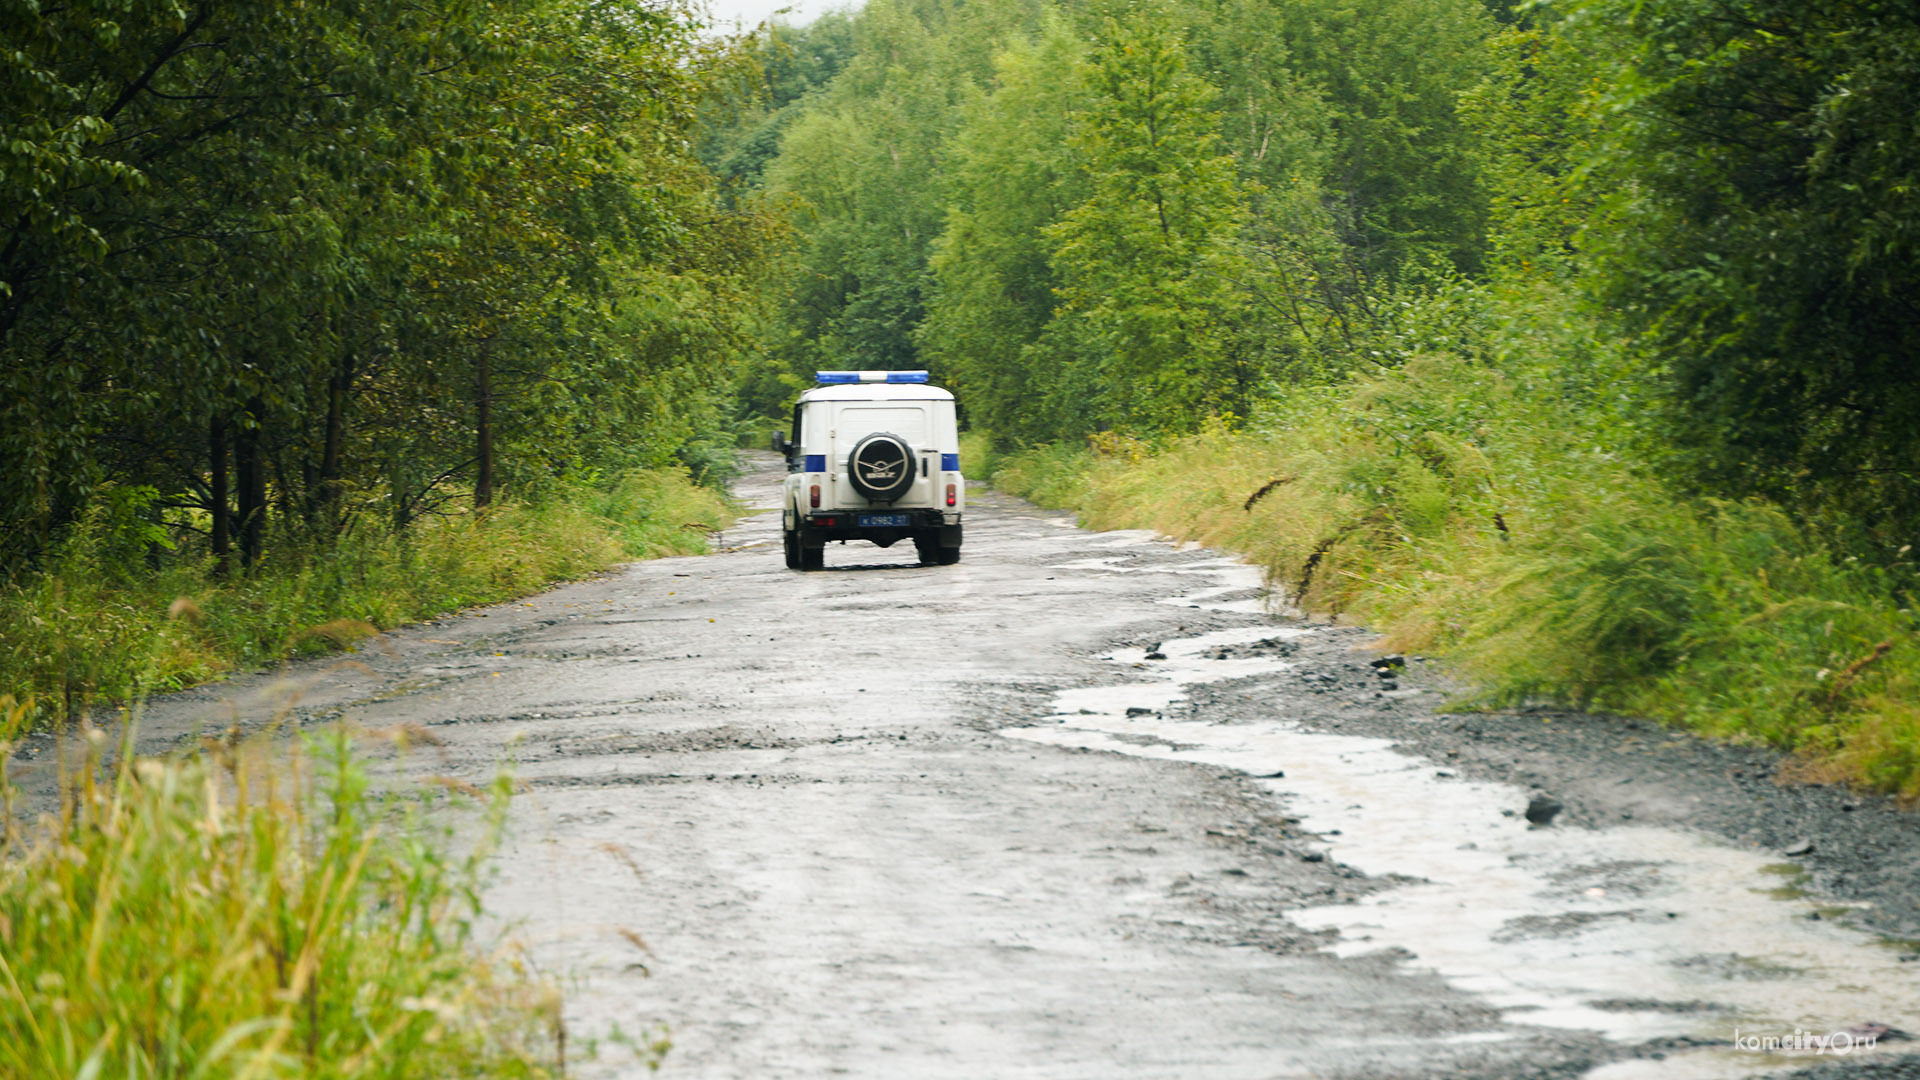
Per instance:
(1493,505)
(227,917)
(98,623)
(978,456)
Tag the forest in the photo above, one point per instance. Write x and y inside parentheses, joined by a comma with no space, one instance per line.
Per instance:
(1571,340)
(1574,340)
(293,296)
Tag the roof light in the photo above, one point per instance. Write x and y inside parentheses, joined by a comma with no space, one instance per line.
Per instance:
(835,378)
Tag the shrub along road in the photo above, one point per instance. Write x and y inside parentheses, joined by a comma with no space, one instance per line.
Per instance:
(1079,807)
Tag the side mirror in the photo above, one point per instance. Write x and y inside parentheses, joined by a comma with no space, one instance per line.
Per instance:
(780,444)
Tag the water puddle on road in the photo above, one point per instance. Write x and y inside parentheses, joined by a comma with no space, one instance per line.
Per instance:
(1637,933)
(1230,576)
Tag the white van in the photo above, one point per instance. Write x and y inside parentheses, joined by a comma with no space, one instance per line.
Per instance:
(873,455)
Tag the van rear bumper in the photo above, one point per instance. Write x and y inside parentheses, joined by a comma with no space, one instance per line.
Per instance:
(819,528)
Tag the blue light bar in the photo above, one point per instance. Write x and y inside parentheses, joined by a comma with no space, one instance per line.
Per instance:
(835,378)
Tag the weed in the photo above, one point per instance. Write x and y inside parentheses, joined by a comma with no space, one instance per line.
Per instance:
(978,455)
(231,916)
(1496,506)
(96,625)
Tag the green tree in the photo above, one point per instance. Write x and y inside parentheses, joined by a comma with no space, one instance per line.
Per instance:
(269,255)
(1358,101)
(1147,262)
(864,163)
(741,130)
(1760,165)
(1534,114)
(1015,173)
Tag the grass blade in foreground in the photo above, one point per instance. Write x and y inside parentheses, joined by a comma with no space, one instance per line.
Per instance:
(217,918)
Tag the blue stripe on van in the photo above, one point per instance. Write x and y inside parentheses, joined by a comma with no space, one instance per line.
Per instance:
(816,463)
(950,462)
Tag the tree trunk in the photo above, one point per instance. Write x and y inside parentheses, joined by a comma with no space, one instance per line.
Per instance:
(285,489)
(327,491)
(250,462)
(483,399)
(222,542)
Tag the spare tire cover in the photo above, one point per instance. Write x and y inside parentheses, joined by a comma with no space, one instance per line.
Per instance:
(881,466)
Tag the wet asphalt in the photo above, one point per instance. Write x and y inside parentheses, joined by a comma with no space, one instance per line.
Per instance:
(1083,806)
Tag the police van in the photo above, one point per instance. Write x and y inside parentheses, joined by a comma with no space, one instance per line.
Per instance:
(873,455)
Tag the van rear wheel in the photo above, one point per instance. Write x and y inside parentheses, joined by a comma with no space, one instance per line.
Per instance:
(790,544)
(931,553)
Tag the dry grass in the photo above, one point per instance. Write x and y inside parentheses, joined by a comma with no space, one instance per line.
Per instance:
(1459,510)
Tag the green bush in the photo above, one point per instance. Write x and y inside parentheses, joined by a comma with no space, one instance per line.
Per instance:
(1052,475)
(98,623)
(979,457)
(1493,504)
(239,918)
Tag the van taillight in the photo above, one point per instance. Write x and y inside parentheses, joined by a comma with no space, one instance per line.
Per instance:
(813,496)
(950,495)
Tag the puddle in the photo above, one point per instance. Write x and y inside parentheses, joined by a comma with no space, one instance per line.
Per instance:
(1637,933)
(1231,577)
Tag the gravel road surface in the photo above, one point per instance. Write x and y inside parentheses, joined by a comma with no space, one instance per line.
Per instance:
(1081,806)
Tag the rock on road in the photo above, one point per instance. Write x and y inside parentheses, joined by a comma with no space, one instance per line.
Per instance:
(1038,815)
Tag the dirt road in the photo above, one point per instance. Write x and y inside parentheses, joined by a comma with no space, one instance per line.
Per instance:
(1080,806)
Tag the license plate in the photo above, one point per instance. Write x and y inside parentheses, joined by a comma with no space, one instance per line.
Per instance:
(881,521)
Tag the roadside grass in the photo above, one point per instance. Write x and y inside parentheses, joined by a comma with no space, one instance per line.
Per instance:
(1489,505)
(226,915)
(978,457)
(98,624)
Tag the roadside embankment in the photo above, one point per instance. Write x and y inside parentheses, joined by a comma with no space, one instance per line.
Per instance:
(255,912)
(99,624)
(1476,513)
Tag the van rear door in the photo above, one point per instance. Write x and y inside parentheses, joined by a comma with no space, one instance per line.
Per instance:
(911,420)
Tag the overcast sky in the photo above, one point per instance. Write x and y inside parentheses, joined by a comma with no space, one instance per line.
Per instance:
(747,13)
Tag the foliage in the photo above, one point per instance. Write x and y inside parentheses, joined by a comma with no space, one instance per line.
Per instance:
(1758,159)
(1145,263)
(1532,112)
(861,162)
(1058,475)
(743,127)
(1478,505)
(1358,103)
(993,281)
(287,264)
(93,626)
(978,457)
(228,917)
